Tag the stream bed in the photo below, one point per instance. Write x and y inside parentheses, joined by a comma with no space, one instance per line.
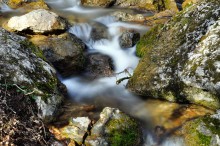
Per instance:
(161,120)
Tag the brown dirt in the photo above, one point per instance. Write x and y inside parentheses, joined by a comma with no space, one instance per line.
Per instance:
(19,121)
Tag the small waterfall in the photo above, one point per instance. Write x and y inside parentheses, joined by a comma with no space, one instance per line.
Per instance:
(5,8)
(104,91)
(82,31)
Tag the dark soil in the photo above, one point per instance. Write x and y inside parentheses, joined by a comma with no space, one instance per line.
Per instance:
(19,121)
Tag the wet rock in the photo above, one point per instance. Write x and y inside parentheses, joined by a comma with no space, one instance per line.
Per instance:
(141,4)
(159,5)
(38,22)
(65,52)
(127,17)
(98,3)
(99,31)
(181,59)
(99,65)
(129,39)
(114,128)
(203,131)
(187,3)
(168,115)
(159,18)
(27,4)
(75,130)
(149,20)
(23,64)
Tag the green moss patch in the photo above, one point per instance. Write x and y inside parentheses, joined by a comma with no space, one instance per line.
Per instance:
(123,132)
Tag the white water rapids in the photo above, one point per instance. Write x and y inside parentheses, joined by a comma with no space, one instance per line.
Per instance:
(104,91)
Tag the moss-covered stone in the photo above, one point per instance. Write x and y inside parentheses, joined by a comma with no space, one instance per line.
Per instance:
(121,134)
(180,56)
(23,64)
(65,52)
(115,128)
(204,131)
(148,40)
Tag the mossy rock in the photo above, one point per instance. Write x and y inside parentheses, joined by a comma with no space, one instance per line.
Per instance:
(204,131)
(65,52)
(23,64)
(115,128)
(170,62)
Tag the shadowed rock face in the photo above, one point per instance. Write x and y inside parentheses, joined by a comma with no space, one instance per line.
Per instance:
(38,22)
(181,59)
(23,64)
(65,52)
(99,65)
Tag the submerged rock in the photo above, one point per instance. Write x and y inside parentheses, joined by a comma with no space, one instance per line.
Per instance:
(22,64)
(38,22)
(181,59)
(65,52)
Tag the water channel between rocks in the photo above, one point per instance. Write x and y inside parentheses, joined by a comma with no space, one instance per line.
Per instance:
(104,91)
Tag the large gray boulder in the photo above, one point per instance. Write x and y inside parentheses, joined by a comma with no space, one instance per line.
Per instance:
(38,22)
(23,65)
(181,59)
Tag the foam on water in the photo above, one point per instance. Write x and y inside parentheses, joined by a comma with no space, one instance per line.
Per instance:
(104,91)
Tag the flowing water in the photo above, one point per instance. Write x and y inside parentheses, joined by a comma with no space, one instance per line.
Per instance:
(104,91)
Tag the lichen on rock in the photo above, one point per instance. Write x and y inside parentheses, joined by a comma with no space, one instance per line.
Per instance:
(203,131)
(37,22)
(181,58)
(21,66)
